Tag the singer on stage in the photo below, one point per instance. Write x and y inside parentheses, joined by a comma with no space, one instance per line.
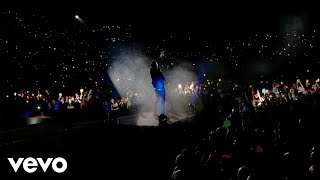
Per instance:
(158,84)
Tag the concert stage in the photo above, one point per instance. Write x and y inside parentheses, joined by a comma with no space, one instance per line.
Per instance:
(148,119)
(136,119)
(140,119)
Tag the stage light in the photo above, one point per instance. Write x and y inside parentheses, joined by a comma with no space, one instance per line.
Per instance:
(76,16)
(162,119)
(180,86)
(38,107)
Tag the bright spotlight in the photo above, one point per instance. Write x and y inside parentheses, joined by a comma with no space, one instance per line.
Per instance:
(180,86)
(76,16)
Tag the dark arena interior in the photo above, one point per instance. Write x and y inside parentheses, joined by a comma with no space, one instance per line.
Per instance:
(235,96)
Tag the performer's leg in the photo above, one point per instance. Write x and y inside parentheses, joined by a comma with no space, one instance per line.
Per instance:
(156,104)
(162,102)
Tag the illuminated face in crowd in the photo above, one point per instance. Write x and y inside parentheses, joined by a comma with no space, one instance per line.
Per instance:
(291,91)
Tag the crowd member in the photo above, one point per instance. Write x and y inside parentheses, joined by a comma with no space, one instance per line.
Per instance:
(267,141)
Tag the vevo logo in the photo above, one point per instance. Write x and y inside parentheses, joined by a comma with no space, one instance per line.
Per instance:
(30,164)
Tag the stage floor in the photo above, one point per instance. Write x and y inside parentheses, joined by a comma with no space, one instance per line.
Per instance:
(137,119)
(148,119)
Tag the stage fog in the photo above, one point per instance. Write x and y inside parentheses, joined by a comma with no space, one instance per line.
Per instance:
(130,74)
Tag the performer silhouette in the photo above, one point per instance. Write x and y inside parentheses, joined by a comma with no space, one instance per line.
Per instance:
(158,84)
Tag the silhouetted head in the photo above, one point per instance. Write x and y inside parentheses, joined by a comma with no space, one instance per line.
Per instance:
(180,160)
(154,65)
(243,173)
(184,151)
(251,177)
